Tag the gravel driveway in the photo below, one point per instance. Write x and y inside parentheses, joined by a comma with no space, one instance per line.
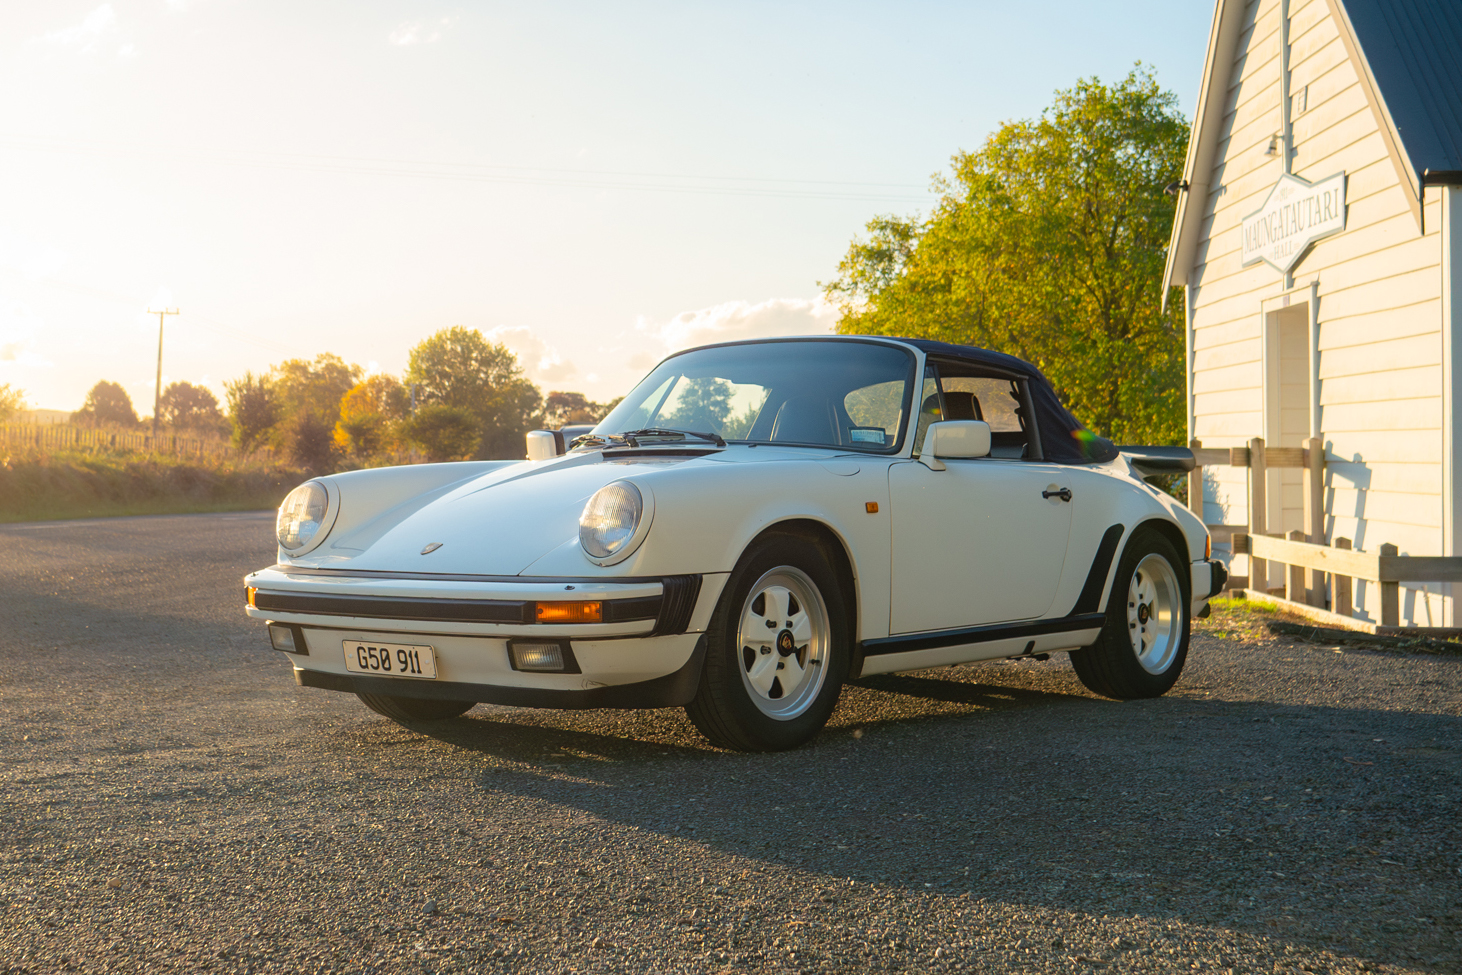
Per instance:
(174,803)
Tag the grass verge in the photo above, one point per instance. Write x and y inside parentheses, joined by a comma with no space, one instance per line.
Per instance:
(57,486)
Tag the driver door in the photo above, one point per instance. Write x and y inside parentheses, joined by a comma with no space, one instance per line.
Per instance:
(982,541)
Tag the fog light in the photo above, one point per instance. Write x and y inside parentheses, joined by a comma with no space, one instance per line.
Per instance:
(570,612)
(287,639)
(544,657)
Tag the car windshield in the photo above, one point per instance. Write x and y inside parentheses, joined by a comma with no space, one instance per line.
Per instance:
(847,394)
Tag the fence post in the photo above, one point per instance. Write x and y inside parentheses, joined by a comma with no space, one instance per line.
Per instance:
(1195,484)
(1258,507)
(1390,594)
(1294,582)
(1315,511)
(1342,586)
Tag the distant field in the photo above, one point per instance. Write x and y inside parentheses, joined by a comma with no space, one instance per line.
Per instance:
(50,485)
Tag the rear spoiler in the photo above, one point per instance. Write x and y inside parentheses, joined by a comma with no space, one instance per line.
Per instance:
(1160,460)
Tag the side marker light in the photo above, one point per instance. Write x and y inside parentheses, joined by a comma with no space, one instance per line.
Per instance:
(871,507)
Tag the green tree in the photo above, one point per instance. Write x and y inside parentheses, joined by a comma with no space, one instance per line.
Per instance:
(458,367)
(12,401)
(1048,243)
(443,432)
(301,386)
(106,405)
(252,410)
(701,404)
(192,408)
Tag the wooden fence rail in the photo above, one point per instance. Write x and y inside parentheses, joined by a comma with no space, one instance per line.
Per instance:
(65,436)
(1304,553)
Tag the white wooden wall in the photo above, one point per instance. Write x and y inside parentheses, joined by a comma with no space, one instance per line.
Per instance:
(1379,301)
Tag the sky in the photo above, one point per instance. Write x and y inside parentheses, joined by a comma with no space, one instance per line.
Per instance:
(592,184)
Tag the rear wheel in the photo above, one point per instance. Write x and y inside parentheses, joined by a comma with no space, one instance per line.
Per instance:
(413,710)
(1144,641)
(777,649)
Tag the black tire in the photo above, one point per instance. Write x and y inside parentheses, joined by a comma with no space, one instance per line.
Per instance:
(414,710)
(728,708)
(1112,666)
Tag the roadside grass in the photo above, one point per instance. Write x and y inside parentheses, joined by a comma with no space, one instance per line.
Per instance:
(1238,619)
(61,485)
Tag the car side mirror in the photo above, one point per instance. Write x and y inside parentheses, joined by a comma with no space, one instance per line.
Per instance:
(542,445)
(954,438)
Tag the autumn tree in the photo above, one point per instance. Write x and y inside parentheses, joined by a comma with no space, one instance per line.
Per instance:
(1048,243)
(106,405)
(369,413)
(562,408)
(458,367)
(185,406)
(302,386)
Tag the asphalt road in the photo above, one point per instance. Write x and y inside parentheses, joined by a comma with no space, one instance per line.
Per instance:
(172,802)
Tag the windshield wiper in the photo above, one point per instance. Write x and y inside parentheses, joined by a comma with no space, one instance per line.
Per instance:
(630,435)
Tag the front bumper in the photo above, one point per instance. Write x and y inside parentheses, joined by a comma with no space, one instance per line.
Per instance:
(643,652)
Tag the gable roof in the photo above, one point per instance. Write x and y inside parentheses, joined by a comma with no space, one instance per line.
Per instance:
(1406,53)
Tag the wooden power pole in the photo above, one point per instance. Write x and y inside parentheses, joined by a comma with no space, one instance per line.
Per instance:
(157,391)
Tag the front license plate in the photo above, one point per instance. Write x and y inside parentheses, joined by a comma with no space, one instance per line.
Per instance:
(390,660)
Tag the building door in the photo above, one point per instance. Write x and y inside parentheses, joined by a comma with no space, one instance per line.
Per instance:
(1287,407)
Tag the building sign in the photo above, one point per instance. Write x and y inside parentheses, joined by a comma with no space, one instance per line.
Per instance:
(1295,215)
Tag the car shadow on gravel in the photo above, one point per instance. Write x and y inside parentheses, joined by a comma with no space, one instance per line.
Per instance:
(1325,827)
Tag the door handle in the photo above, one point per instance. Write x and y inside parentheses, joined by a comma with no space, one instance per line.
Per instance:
(1064,494)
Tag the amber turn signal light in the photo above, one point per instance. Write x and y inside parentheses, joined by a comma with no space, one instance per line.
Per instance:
(871,507)
(250,590)
(570,612)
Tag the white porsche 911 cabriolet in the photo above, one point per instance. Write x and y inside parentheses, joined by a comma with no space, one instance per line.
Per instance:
(756,523)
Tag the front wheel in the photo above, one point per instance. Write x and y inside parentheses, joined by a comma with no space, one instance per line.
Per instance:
(777,650)
(1144,640)
(413,710)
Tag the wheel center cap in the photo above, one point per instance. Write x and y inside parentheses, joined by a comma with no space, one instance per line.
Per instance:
(1143,615)
(786,646)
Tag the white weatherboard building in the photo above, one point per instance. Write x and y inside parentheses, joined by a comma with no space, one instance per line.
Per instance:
(1319,242)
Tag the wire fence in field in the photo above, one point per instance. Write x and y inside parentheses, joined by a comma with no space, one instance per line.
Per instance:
(69,437)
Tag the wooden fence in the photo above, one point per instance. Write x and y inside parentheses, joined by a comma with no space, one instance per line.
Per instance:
(65,436)
(1302,559)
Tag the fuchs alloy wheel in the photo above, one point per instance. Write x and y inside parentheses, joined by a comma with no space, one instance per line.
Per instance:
(413,710)
(1144,640)
(777,649)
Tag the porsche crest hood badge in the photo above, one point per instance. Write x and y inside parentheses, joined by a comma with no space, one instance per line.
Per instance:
(431,547)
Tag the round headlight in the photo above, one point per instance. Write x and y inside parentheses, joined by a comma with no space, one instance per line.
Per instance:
(610,519)
(301,515)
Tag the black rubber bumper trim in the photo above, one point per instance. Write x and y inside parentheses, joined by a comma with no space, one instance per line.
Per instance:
(980,634)
(1220,577)
(671,691)
(437,610)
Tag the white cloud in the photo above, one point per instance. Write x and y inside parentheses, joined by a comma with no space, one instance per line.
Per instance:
(416,32)
(87,34)
(735,320)
(540,360)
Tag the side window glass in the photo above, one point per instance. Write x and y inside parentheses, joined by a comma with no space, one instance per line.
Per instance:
(931,409)
(995,400)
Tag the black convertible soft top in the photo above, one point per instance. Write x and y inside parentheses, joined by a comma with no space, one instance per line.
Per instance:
(1063,438)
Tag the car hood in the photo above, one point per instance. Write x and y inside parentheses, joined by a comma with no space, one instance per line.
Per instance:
(497,524)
